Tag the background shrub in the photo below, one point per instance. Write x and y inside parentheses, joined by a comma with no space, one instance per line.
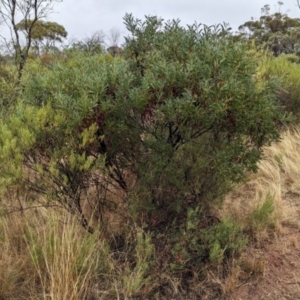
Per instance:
(287,69)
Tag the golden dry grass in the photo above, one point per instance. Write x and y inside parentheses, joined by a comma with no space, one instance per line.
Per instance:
(278,176)
(271,255)
(44,254)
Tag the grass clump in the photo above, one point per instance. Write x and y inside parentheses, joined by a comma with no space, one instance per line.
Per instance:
(261,222)
(66,264)
(226,240)
(262,216)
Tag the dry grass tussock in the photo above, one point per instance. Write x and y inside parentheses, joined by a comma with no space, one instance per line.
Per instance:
(269,267)
(45,254)
(278,178)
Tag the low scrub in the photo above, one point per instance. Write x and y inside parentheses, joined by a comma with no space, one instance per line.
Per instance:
(155,138)
(287,69)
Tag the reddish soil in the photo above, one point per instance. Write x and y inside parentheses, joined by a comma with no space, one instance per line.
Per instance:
(280,276)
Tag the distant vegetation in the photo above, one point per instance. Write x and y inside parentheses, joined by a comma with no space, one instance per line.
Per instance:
(115,163)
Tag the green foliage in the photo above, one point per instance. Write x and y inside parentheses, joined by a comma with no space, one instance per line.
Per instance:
(7,88)
(196,110)
(43,30)
(204,115)
(277,32)
(183,113)
(43,33)
(225,240)
(136,277)
(214,241)
(287,70)
(58,156)
(262,215)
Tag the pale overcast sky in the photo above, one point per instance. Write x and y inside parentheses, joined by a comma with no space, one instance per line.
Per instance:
(81,18)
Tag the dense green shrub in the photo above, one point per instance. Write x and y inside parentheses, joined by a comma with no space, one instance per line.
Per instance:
(182,113)
(204,114)
(51,138)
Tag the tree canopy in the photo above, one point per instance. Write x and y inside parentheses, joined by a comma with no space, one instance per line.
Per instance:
(278,32)
(44,30)
(43,33)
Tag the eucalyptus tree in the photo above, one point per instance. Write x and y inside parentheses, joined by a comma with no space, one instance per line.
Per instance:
(27,12)
(44,35)
(275,31)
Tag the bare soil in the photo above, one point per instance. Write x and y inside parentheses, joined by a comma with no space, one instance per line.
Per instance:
(279,263)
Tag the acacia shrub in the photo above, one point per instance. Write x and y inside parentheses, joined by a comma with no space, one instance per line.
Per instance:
(204,115)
